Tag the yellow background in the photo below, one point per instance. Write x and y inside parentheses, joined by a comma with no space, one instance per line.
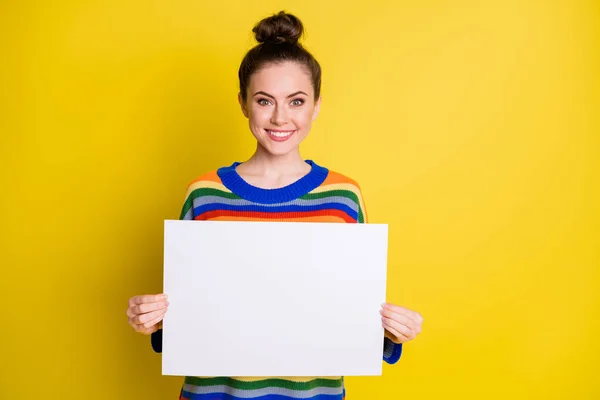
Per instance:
(472,126)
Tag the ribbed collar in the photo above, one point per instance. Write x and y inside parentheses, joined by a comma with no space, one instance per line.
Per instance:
(234,182)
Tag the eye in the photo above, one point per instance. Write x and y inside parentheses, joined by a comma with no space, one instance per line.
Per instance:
(297,102)
(264,102)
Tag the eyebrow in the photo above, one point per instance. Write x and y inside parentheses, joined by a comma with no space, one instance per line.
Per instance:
(291,95)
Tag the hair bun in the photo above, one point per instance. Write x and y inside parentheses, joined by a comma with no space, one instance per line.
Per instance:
(279,28)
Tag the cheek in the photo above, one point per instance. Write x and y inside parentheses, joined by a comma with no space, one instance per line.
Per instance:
(258,116)
(303,118)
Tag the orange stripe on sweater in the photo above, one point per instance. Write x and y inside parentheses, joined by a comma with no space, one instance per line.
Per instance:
(336,177)
(209,176)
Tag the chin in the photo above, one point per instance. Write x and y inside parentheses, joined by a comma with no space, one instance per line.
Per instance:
(280,150)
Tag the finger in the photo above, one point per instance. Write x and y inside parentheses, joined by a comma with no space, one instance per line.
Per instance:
(145,331)
(140,328)
(412,315)
(398,327)
(399,335)
(154,321)
(143,318)
(150,326)
(403,319)
(394,335)
(148,298)
(402,310)
(148,307)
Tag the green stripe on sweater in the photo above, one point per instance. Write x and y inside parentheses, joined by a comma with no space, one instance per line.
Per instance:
(189,202)
(264,383)
(338,192)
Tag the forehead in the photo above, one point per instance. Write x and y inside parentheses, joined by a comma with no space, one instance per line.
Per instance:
(281,79)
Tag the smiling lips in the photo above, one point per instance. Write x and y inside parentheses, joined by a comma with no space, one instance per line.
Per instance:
(279,135)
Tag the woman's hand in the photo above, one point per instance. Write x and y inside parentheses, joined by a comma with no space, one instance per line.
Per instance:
(401,324)
(146,312)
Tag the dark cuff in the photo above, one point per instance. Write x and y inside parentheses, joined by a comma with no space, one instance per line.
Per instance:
(156,340)
(391,351)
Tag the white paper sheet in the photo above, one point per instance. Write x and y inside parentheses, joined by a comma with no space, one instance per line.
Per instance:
(273,298)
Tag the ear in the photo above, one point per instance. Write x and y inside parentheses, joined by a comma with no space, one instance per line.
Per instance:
(317,108)
(242,105)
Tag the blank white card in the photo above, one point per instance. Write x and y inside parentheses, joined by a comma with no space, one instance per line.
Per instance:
(273,298)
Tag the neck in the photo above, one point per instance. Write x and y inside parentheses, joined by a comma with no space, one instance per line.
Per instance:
(264,163)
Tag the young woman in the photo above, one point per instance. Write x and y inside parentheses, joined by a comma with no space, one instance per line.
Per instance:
(280,84)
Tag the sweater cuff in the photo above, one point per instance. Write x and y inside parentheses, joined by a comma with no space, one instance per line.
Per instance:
(156,340)
(391,351)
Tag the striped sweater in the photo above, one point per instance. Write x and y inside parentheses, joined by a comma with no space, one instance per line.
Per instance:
(320,196)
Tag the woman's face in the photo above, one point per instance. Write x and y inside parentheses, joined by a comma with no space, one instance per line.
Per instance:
(280,106)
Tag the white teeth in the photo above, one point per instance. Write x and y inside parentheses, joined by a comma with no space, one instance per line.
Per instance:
(280,134)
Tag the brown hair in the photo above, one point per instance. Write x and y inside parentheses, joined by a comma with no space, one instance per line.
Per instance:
(277,38)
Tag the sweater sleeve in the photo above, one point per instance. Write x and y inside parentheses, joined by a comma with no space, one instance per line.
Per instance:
(187,213)
(391,351)
(156,341)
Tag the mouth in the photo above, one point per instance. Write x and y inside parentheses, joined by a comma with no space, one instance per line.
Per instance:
(279,135)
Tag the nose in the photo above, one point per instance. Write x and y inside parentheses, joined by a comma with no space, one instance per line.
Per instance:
(279,116)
